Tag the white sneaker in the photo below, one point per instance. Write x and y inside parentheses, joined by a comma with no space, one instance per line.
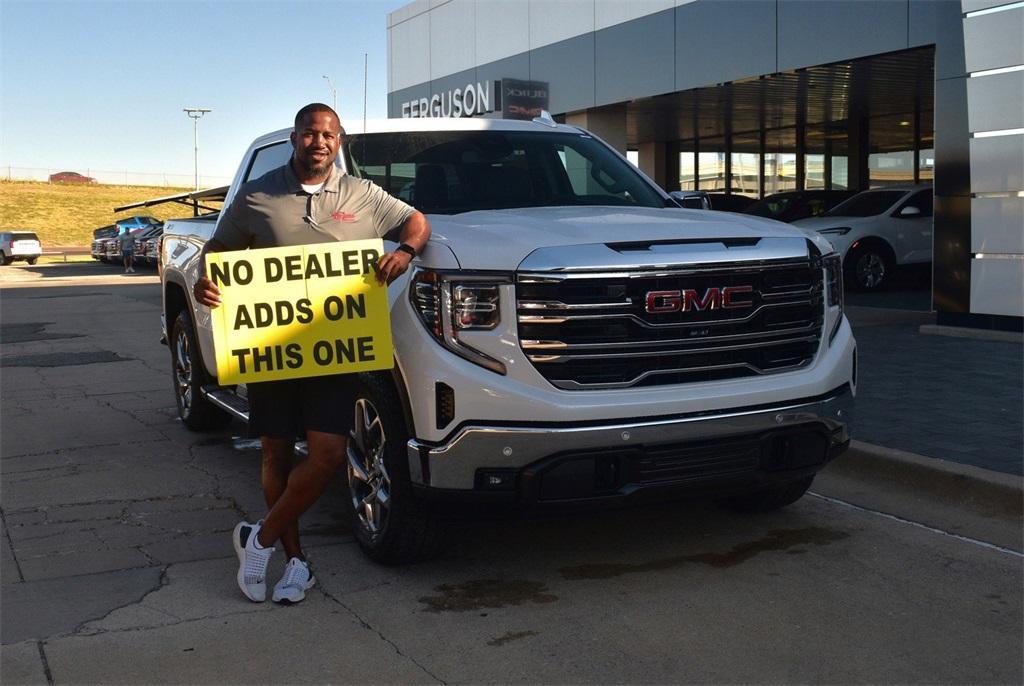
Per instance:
(131,269)
(252,562)
(297,579)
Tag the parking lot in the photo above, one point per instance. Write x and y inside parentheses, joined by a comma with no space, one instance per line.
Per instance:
(118,568)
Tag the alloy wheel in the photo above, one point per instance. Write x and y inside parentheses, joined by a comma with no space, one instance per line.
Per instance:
(870,270)
(183,370)
(368,479)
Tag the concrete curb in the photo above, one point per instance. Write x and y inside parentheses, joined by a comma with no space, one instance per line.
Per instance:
(978,334)
(987,492)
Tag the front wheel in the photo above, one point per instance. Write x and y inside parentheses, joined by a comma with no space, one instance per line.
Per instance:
(388,523)
(4,259)
(196,412)
(868,267)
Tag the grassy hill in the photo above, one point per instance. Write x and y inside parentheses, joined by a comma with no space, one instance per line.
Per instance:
(66,215)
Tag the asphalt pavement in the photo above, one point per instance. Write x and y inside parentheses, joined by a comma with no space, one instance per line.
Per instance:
(117,565)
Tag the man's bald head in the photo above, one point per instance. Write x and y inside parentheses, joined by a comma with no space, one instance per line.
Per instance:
(300,116)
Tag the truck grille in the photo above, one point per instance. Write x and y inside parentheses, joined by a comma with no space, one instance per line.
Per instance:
(593,331)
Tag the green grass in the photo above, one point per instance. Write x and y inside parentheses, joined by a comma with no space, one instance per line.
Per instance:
(66,215)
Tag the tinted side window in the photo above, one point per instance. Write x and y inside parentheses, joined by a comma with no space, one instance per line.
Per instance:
(922,200)
(270,157)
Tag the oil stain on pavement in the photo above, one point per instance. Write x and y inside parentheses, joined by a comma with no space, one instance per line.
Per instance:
(776,540)
(509,637)
(486,593)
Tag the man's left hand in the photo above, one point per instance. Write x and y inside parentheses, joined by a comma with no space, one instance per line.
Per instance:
(392,265)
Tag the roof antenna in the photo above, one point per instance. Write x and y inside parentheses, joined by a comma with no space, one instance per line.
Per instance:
(545,119)
(365,63)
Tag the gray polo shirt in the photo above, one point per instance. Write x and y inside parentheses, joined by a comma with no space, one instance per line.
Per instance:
(274,211)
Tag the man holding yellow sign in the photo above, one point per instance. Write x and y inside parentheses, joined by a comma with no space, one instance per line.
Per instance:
(296,315)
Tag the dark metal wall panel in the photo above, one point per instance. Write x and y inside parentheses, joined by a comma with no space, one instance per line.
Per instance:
(951,242)
(923,15)
(992,41)
(951,265)
(636,59)
(949,41)
(813,32)
(568,67)
(515,67)
(706,55)
(405,95)
(952,138)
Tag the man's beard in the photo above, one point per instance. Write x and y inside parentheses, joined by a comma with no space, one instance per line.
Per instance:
(312,168)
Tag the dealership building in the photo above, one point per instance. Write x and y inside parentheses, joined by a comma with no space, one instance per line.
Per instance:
(761,96)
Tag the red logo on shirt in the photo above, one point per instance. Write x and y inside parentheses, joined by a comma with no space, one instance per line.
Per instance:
(343,217)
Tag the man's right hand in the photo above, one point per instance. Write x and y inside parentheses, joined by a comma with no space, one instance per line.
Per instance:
(206,292)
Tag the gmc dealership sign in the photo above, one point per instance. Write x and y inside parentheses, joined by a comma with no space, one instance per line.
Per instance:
(513,98)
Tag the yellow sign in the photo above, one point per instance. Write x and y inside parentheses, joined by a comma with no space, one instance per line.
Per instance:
(307,310)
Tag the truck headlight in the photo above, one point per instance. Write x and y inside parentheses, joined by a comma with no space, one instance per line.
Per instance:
(448,304)
(834,292)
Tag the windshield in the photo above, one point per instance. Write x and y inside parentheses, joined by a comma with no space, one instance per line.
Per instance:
(772,206)
(866,204)
(448,172)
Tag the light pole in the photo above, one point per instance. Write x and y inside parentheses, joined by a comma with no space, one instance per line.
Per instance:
(334,92)
(195,114)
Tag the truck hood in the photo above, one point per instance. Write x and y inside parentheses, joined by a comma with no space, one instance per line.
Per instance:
(502,239)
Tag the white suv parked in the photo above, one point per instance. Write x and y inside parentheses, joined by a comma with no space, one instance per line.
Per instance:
(876,230)
(19,245)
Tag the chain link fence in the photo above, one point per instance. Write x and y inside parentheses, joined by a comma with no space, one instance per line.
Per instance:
(113,178)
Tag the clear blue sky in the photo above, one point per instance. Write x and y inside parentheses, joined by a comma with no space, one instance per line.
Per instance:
(101,85)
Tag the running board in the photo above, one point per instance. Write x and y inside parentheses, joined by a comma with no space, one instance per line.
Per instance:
(238,407)
(228,401)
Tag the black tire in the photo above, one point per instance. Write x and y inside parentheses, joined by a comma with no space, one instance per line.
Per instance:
(769,499)
(4,259)
(398,530)
(32,260)
(869,267)
(189,376)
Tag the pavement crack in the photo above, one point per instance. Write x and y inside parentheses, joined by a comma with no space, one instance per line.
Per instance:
(366,625)
(46,663)
(10,546)
(193,463)
(160,583)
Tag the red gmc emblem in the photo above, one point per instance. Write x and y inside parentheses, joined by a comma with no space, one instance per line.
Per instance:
(659,302)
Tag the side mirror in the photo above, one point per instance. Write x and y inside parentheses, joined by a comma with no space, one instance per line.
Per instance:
(910,211)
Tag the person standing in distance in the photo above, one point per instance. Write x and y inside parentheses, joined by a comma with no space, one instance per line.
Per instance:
(127,241)
(308,200)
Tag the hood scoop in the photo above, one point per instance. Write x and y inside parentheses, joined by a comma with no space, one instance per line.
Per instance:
(669,245)
(664,254)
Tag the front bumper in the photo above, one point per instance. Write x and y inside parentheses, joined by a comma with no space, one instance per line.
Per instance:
(753,445)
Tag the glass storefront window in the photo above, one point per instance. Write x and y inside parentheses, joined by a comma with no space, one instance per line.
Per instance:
(840,173)
(814,171)
(687,169)
(745,167)
(711,165)
(926,166)
(891,168)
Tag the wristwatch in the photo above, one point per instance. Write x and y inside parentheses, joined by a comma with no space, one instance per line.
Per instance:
(406,248)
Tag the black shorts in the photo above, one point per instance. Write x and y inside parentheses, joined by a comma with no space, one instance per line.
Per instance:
(287,409)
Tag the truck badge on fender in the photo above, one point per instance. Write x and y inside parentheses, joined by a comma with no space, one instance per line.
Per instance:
(688,300)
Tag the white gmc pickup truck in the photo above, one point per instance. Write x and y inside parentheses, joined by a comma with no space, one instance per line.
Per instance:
(569,335)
